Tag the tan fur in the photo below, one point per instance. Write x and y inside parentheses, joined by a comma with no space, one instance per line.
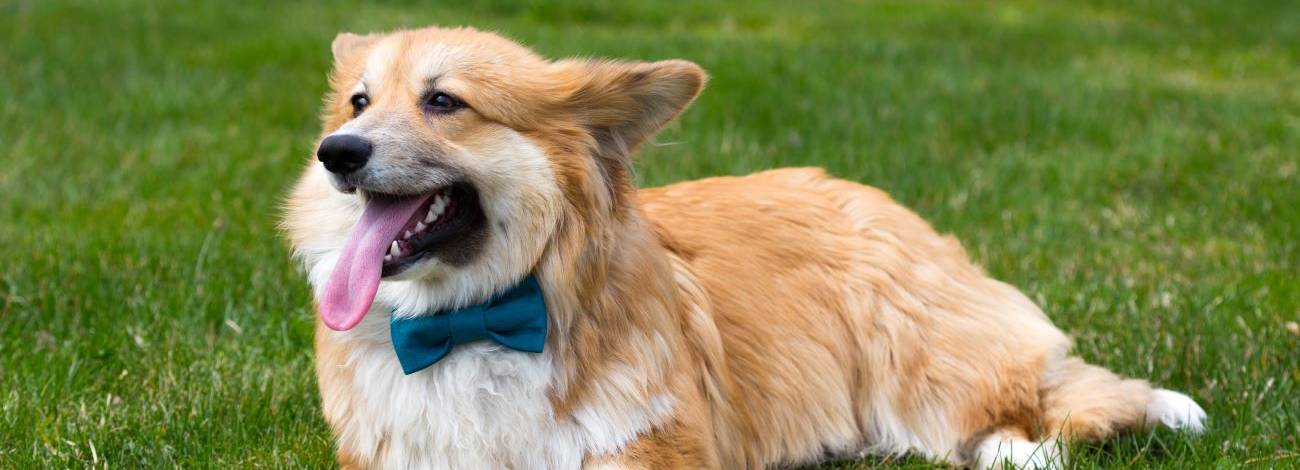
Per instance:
(885,308)
(789,315)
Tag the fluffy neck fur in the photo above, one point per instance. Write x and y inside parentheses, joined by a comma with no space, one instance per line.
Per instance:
(615,329)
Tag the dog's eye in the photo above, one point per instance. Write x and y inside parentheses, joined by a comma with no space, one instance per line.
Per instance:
(359,103)
(439,102)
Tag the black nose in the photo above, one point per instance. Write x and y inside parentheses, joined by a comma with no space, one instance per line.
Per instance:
(344,153)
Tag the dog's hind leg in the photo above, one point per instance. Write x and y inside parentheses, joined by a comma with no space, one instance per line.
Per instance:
(1086,402)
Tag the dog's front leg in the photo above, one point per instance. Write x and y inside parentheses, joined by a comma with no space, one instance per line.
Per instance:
(672,446)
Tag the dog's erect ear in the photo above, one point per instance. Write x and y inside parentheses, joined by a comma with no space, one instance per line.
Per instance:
(625,103)
(346,45)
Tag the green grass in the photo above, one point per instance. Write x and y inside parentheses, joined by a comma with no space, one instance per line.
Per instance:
(1132,166)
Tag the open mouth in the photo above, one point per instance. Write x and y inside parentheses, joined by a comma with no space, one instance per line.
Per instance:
(393,234)
(443,225)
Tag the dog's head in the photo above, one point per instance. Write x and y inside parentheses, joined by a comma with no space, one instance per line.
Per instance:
(450,159)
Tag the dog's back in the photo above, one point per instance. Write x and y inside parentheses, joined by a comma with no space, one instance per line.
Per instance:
(846,319)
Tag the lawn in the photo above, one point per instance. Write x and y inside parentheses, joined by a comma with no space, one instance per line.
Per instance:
(1132,166)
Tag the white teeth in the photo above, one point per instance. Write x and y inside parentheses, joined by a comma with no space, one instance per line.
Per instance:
(388,258)
(435,209)
(408,232)
(394,250)
(419,227)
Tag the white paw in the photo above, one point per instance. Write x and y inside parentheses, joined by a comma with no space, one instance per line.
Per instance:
(996,452)
(1175,411)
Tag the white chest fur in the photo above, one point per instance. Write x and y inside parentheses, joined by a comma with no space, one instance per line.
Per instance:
(480,407)
(483,406)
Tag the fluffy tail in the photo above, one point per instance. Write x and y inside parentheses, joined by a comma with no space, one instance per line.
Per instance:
(1085,402)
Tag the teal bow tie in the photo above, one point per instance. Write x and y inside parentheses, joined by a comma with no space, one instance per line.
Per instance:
(516,319)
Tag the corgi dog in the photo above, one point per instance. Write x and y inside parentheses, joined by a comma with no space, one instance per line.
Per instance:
(495,292)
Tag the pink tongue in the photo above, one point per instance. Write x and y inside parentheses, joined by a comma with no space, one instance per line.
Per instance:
(352,286)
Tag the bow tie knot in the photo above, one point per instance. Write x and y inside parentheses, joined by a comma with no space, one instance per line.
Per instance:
(467,326)
(515,319)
